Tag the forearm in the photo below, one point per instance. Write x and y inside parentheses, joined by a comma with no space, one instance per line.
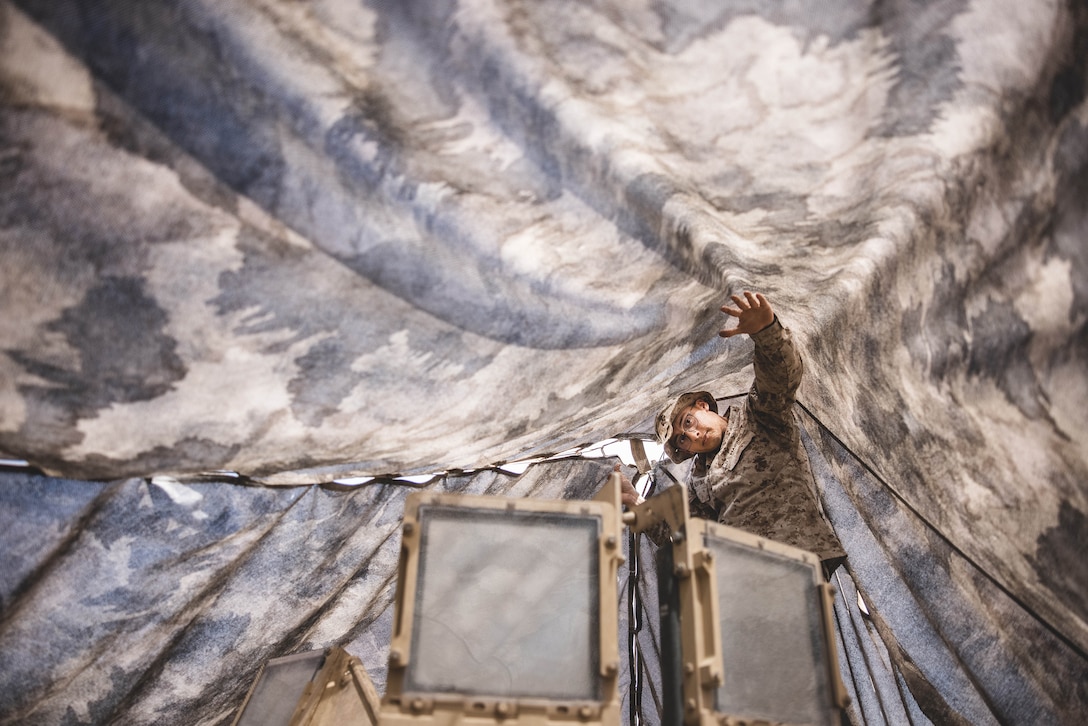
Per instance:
(778,368)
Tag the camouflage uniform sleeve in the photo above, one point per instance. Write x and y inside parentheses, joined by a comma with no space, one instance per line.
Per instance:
(778,370)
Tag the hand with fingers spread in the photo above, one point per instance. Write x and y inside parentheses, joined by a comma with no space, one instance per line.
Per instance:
(753,314)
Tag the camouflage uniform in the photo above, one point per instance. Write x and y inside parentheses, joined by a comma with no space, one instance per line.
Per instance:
(760,479)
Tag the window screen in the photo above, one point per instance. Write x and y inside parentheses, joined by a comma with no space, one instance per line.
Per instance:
(279,688)
(507,604)
(772,636)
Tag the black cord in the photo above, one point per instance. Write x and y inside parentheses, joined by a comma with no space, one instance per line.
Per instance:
(933,528)
(634,627)
(649,681)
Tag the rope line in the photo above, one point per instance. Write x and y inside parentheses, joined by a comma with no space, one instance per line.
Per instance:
(951,545)
(634,627)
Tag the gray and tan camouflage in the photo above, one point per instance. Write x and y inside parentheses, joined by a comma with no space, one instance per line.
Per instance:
(304,241)
(760,479)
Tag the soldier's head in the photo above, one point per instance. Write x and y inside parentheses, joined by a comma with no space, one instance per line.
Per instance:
(690,425)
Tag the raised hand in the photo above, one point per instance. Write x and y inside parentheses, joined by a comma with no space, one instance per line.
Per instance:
(753,314)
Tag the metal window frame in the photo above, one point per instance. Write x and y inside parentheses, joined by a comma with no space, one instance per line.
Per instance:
(401,707)
(339,687)
(692,584)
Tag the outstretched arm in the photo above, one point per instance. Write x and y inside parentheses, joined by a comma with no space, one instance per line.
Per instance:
(776,361)
(753,314)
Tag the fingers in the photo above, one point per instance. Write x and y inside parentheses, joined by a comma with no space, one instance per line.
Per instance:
(746,303)
(629,496)
(737,312)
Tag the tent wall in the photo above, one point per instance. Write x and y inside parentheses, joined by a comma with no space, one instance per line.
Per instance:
(146,603)
(306,241)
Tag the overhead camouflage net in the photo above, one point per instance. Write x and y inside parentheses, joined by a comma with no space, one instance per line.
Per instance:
(250,248)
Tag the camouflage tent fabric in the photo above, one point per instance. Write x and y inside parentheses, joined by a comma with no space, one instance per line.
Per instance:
(305,241)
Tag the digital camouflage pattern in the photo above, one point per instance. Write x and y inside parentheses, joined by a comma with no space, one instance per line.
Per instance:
(760,479)
(309,240)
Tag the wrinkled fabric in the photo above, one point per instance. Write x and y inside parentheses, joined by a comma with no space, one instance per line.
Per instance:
(143,602)
(308,241)
(961,648)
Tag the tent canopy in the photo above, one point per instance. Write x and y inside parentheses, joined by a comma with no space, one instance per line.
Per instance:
(310,241)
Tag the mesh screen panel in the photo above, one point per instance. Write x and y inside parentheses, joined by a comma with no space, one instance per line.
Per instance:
(280,686)
(771,630)
(507,605)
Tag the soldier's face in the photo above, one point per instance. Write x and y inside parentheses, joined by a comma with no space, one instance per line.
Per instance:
(698,429)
